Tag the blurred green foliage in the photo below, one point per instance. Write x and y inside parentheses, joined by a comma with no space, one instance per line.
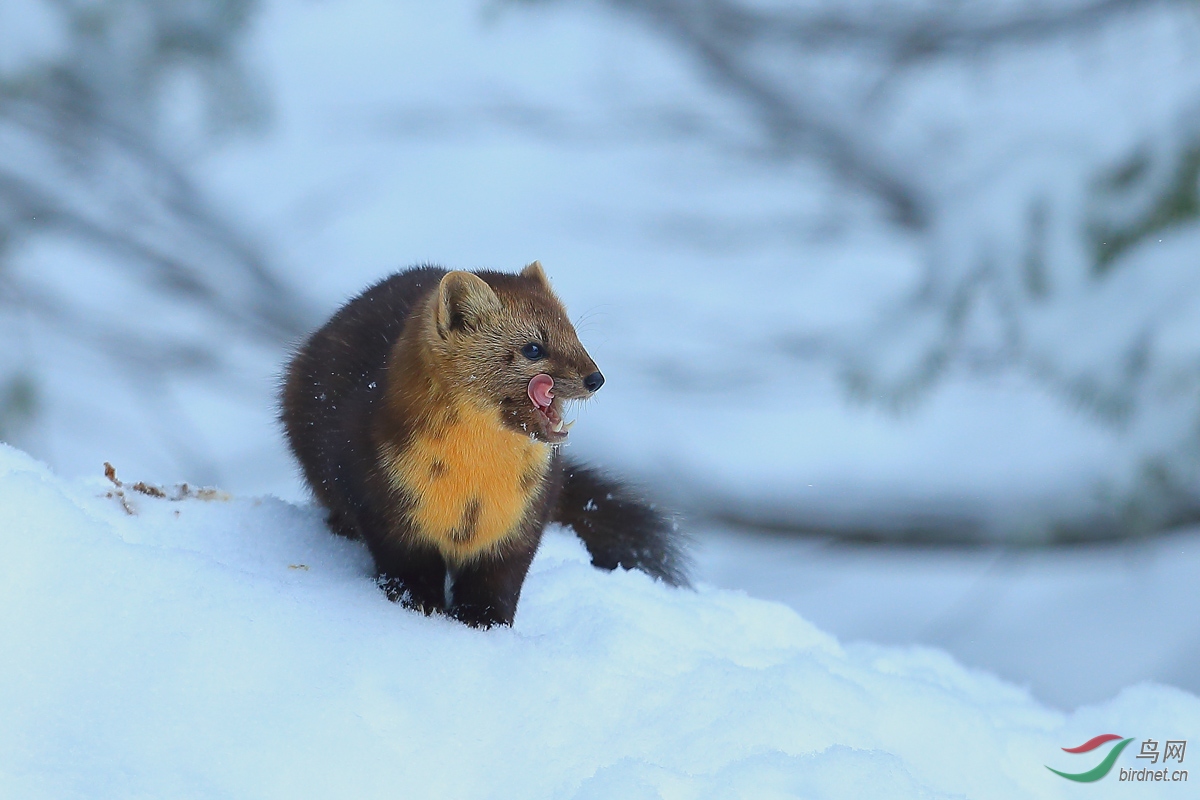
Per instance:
(18,403)
(1175,202)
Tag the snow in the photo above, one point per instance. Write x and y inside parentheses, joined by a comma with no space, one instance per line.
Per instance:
(702,282)
(1074,624)
(234,647)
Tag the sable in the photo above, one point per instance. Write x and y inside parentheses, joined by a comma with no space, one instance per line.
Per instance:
(427,414)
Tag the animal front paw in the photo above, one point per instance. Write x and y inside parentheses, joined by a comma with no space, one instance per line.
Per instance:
(398,592)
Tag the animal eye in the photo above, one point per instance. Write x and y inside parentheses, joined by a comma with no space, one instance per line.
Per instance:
(533,351)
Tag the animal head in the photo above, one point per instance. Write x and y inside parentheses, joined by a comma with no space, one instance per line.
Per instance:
(504,341)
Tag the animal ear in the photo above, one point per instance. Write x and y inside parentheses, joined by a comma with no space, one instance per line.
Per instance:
(464,302)
(536,272)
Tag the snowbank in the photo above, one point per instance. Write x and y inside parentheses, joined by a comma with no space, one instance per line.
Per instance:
(232,647)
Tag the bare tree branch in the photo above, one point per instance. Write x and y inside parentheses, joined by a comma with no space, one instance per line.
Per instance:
(905,35)
(792,124)
(81,156)
(722,35)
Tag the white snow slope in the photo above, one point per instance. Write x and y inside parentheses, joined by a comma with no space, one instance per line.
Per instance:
(234,648)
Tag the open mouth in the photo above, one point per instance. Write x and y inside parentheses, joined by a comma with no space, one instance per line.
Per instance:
(548,408)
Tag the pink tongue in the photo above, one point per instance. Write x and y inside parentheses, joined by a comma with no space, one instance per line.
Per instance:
(539,390)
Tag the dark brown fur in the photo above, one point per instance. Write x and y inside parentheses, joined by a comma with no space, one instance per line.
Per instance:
(377,401)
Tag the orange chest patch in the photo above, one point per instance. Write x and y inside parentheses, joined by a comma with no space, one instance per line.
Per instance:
(472,481)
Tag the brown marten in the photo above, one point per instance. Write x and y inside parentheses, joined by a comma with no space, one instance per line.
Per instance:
(427,415)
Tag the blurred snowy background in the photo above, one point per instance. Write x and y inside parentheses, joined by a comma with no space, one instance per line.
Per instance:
(899,302)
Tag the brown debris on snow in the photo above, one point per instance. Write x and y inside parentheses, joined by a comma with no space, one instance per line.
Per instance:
(181,491)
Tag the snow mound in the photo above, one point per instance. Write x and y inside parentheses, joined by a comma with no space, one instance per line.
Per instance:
(227,647)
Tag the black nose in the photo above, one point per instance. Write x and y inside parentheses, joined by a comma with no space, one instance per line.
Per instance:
(593,381)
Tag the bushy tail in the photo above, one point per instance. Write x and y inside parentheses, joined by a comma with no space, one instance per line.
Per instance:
(619,528)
